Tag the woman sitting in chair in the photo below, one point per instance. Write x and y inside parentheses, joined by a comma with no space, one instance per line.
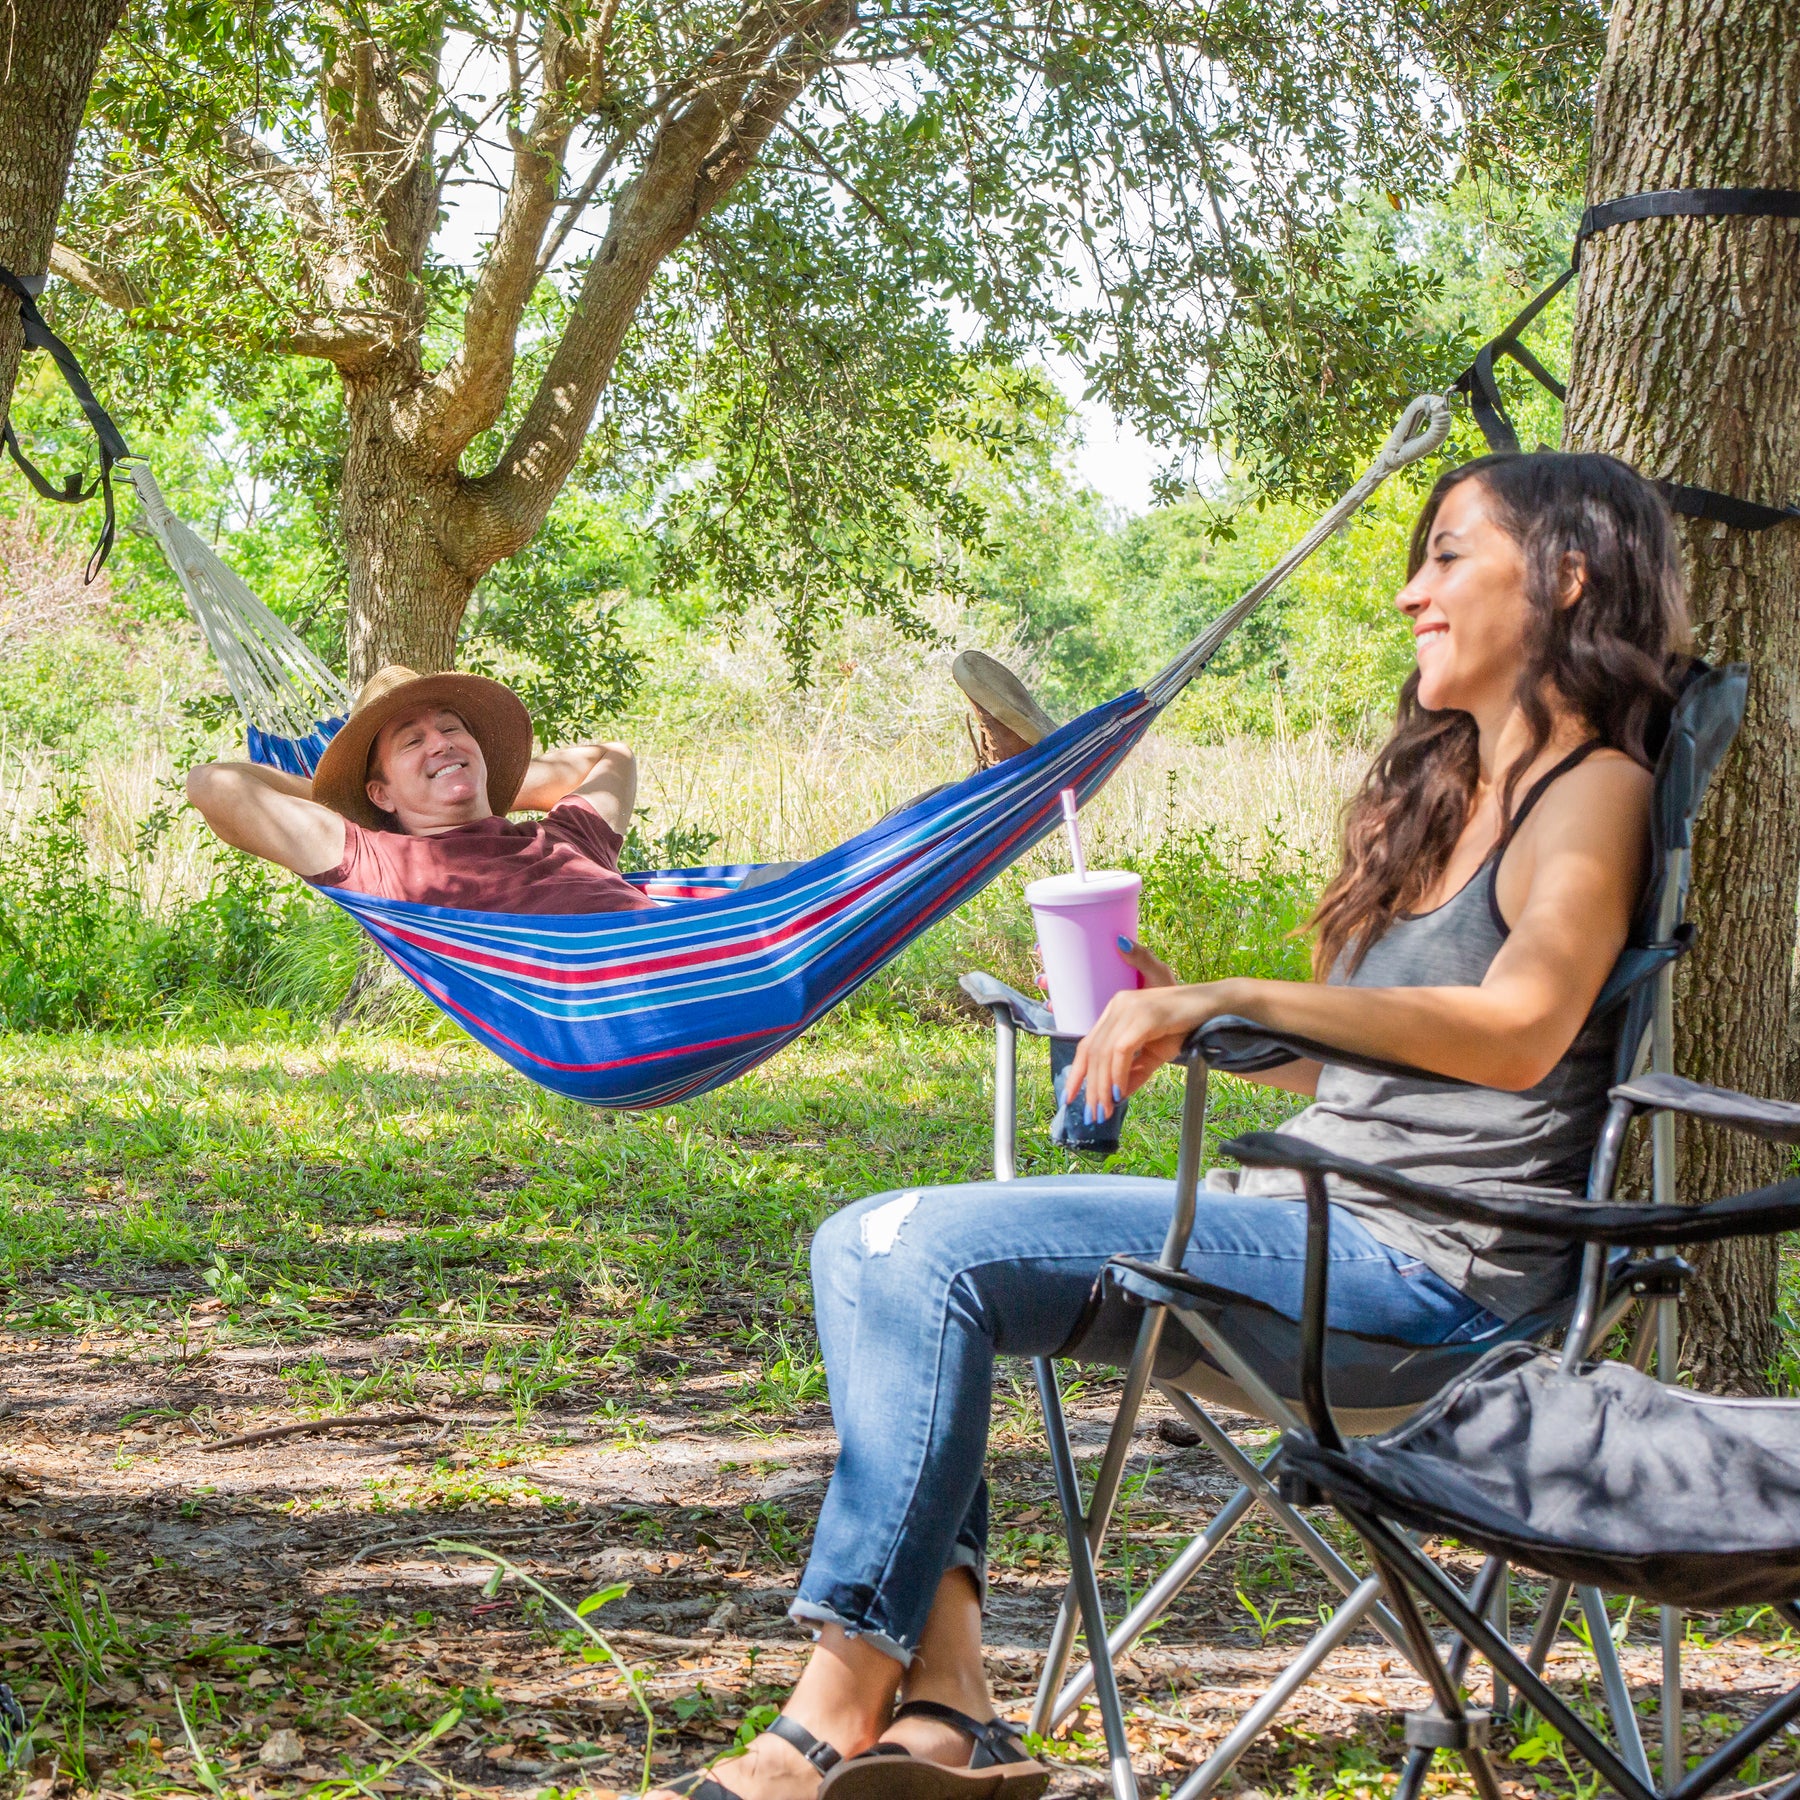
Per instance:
(1494,858)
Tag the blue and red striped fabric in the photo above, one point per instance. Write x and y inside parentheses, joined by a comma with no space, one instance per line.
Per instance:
(645,1008)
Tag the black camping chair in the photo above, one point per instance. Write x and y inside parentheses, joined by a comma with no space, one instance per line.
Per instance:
(1202,1346)
(1585,1472)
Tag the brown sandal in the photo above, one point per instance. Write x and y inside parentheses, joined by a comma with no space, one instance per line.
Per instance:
(999,1768)
(701,1784)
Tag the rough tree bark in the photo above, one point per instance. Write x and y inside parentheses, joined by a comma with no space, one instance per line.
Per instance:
(1684,365)
(47,57)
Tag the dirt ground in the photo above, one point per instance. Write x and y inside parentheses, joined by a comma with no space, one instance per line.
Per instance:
(288,1592)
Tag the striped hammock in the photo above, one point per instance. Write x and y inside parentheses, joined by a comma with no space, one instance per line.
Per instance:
(640,1009)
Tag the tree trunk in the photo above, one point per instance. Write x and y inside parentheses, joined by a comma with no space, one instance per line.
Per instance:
(47,56)
(407,591)
(1684,365)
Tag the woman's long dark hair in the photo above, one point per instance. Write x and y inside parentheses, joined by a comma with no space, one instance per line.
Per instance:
(1611,658)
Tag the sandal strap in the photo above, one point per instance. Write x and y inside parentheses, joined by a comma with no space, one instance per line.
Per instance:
(700,1785)
(816,1751)
(998,1741)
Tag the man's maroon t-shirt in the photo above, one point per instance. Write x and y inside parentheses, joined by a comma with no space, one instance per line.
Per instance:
(568,862)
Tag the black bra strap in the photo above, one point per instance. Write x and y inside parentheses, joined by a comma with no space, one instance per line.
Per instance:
(1540,787)
(1533,795)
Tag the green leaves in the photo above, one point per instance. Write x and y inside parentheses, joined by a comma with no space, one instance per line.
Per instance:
(1207,207)
(550,622)
(605,1597)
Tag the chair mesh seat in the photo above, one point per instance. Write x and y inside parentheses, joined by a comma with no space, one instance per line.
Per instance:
(1606,1477)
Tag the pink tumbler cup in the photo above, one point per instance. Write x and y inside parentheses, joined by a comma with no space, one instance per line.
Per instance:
(1079,924)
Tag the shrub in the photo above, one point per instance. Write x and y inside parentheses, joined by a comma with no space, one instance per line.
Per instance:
(80,949)
(1217,905)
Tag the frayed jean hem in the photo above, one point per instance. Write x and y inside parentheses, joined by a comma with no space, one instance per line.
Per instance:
(818,1612)
(811,1612)
(975,1561)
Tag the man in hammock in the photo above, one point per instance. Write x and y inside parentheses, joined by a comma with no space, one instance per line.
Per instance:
(410,798)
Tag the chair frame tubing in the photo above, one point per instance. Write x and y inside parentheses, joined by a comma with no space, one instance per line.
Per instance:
(1406,1569)
(1085,1528)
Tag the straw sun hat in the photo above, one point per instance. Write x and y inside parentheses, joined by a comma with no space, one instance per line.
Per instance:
(495,715)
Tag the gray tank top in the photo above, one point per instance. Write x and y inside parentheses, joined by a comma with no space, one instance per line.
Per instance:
(1534,1143)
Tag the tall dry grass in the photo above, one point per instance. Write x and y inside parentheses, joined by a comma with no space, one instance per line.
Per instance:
(785,775)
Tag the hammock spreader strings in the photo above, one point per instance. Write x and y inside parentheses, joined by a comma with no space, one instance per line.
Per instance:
(291,702)
(1478,382)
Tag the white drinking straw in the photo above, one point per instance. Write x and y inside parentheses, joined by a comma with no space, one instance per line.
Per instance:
(1068,806)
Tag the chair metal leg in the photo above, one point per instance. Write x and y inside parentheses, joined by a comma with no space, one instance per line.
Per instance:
(1344,1578)
(1099,1513)
(1502,1616)
(1446,1699)
(1490,1583)
(1674,1756)
(1556,1603)
(1085,1582)
(1405,1566)
(1143,1363)
(1153,1603)
(1006,1096)
(1294,1677)
(1612,1679)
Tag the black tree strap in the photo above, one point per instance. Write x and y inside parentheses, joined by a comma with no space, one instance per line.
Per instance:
(1489,410)
(1687,203)
(113,448)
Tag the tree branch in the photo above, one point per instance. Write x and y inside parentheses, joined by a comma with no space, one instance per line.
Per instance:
(282,180)
(104,285)
(704,149)
(442,417)
(872,207)
(347,349)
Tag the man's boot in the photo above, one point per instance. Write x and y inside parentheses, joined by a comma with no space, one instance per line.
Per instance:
(1007,721)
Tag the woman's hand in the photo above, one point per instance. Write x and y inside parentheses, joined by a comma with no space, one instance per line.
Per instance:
(1155,971)
(1138,1033)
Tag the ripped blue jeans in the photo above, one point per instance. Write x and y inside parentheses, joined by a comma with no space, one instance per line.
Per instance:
(917,1292)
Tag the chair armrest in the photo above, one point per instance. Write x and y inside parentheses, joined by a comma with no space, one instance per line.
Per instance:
(1778,1120)
(1029,1016)
(1759,1213)
(1237,1046)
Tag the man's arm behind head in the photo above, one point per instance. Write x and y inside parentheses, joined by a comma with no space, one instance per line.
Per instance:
(270,814)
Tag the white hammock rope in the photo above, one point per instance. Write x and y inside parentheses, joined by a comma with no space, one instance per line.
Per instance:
(279,685)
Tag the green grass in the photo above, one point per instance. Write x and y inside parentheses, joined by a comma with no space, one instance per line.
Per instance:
(503,1252)
(283,1173)
(174,1193)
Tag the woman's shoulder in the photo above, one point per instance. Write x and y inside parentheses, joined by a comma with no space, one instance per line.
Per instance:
(1604,799)
(1602,771)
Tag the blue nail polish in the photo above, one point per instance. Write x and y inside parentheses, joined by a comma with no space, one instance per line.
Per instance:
(1117,1096)
(1087,1112)
(1125,943)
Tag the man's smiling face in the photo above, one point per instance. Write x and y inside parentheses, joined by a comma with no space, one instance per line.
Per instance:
(426,769)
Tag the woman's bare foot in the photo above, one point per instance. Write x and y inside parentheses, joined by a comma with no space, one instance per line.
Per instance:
(843,1699)
(948,1669)
(769,1770)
